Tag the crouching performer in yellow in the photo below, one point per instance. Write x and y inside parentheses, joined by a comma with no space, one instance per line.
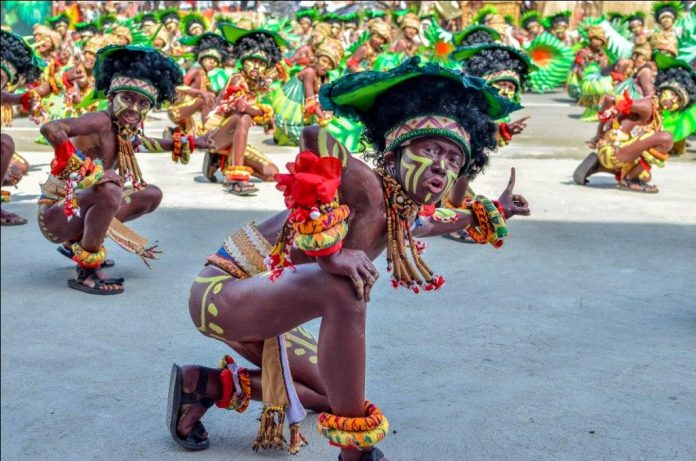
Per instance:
(631,138)
(239,107)
(315,259)
(95,183)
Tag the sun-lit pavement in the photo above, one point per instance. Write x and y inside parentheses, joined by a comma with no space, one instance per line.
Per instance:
(576,340)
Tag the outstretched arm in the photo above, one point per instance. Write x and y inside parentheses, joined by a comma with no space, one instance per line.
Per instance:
(511,205)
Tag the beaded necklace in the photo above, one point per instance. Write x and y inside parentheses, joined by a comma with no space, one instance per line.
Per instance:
(128,167)
(400,210)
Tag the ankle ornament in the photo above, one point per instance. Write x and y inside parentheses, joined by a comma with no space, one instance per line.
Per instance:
(357,433)
(88,260)
(236,386)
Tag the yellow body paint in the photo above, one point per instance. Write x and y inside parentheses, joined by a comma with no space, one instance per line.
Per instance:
(303,341)
(215,285)
(417,163)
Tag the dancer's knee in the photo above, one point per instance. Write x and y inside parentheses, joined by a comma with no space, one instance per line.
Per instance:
(8,147)
(108,195)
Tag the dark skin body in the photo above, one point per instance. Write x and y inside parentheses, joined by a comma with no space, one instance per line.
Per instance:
(375,44)
(641,114)
(253,309)
(95,135)
(235,131)
(205,99)
(406,44)
(7,146)
(309,76)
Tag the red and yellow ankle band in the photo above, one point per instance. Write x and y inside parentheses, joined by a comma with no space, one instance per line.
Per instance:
(359,432)
(236,386)
(88,260)
(238,173)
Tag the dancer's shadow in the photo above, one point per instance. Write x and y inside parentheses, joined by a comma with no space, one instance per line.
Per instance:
(596,181)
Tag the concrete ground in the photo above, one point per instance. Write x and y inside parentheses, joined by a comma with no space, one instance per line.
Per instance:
(575,341)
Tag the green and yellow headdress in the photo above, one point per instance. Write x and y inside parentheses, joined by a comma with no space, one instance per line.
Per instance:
(168,15)
(373,14)
(55,20)
(497,74)
(459,37)
(560,17)
(190,20)
(529,17)
(665,62)
(483,15)
(311,13)
(136,76)
(86,29)
(211,51)
(355,94)
(637,16)
(106,20)
(233,34)
(673,8)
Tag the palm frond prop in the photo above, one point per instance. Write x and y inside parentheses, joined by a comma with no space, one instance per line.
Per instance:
(554,60)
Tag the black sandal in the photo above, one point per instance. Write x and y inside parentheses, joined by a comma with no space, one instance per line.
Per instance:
(11,219)
(586,168)
(84,273)
(241,189)
(372,455)
(67,252)
(196,439)
(637,185)
(209,166)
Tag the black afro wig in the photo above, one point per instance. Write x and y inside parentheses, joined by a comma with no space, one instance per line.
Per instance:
(161,71)
(479,36)
(20,56)
(210,41)
(427,94)
(488,61)
(682,76)
(257,42)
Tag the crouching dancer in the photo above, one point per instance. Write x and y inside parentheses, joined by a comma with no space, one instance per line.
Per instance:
(84,198)
(428,126)
(632,136)
(19,64)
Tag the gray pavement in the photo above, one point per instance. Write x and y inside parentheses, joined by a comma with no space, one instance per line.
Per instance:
(575,341)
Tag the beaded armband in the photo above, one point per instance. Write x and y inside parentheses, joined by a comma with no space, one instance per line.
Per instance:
(266,117)
(491,227)
(182,146)
(78,171)
(317,223)
(357,433)
(504,135)
(31,102)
